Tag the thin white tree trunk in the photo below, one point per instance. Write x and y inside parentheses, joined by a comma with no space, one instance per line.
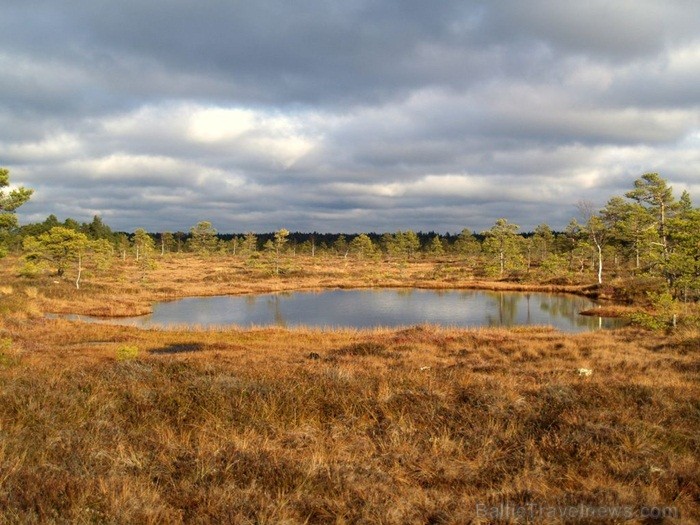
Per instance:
(80,271)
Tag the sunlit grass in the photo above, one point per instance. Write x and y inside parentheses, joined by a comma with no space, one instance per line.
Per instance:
(103,423)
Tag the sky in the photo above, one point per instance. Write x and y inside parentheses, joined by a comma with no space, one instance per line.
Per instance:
(348,115)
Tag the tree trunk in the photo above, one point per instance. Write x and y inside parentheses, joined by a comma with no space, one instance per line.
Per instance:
(80,271)
(529,258)
(663,230)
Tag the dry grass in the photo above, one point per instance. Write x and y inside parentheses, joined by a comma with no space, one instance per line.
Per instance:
(306,426)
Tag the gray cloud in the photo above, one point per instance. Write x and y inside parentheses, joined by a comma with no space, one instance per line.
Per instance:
(610,31)
(344,115)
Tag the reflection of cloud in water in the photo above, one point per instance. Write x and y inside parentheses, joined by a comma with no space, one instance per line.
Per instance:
(384,307)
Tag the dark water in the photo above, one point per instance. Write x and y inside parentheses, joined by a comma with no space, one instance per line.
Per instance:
(372,308)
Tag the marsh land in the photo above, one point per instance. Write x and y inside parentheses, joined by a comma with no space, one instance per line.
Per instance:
(419,424)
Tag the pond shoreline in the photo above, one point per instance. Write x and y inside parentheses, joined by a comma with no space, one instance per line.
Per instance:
(366,308)
(85,309)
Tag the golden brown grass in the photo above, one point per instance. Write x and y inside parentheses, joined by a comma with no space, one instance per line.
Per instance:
(267,425)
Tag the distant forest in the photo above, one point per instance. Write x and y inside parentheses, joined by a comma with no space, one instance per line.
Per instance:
(647,233)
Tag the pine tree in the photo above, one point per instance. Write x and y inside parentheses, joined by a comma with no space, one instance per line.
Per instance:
(503,242)
(203,240)
(436,248)
(362,246)
(655,192)
(9,202)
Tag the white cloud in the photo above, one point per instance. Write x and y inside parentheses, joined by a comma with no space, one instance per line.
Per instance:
(120,167)
(52,148)
(220,124)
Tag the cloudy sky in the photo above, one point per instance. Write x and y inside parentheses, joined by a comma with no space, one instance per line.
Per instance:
(352,115)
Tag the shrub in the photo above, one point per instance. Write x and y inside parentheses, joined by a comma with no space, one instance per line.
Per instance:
(127,353)
(5,346)
(29,269)
(638,290)
(646,320)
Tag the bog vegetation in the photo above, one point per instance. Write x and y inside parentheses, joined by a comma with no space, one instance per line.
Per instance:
(648,235)
(106,424)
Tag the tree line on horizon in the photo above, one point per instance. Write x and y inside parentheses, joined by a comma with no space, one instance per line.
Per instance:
(648,232)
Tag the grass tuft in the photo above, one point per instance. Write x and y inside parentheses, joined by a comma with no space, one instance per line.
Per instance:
(367,348)
(127,353)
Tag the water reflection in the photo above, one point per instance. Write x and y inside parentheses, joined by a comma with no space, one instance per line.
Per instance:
(273,302)
(371,308)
